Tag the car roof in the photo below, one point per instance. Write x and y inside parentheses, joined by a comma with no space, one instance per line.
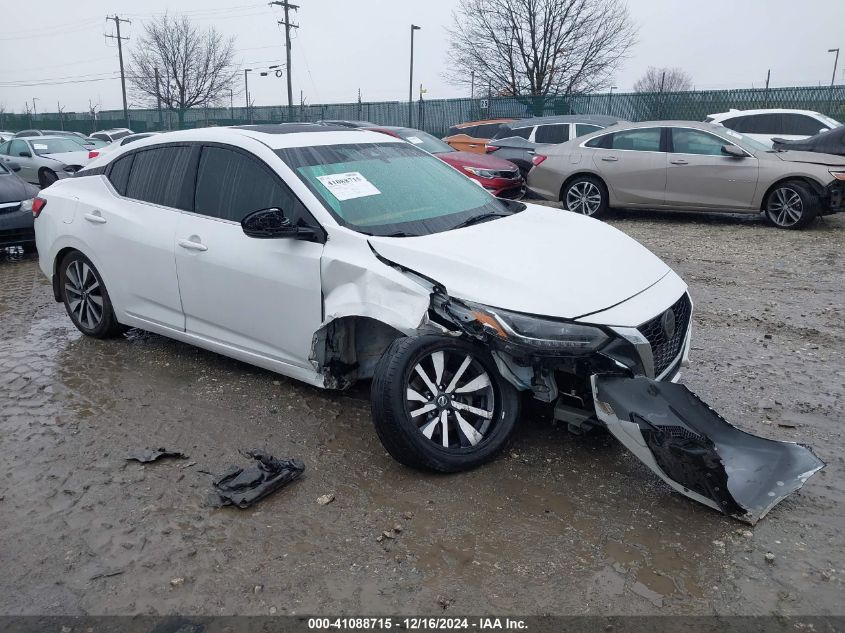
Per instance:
(733,113)
(599,119)
(482,122)
(625,125)
(274,136)
(45,137)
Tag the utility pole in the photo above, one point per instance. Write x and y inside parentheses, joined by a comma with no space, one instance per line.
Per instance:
(61,116)
(246,89)
(414,27)
(768,78)
(120,39)
(832,78)
(158,99)
(472,85)
(287,6)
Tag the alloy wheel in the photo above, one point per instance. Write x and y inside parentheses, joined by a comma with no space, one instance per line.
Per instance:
(785,207)
(583,197)
(84,294)
(451,399)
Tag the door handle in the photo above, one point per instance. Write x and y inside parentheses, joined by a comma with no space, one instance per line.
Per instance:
(95,218)
(609,159)
(472,145)
(192,246)
(679,161)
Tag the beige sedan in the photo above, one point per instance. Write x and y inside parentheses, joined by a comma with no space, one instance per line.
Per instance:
(688,166)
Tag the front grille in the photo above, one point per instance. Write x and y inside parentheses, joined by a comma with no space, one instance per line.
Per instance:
(511,174)
(663,349)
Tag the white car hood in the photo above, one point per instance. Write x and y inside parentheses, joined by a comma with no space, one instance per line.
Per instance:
(70,158)
(542,261)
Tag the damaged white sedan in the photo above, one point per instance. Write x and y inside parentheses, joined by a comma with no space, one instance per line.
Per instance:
(333,255)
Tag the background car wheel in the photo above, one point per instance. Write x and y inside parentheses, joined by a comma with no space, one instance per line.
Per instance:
(440,404)
(86,298)
(585,195)
(29,248)
(46,177)
(792,205)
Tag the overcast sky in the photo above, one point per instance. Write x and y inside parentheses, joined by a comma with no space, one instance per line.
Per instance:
(343,46)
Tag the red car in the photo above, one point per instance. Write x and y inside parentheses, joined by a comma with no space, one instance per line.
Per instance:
(499,177)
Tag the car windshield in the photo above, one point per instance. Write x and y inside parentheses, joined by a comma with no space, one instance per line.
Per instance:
(55,146)
(391,189)
(831,123)
(426,141)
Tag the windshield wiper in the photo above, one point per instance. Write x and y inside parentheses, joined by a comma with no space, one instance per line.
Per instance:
(475,219)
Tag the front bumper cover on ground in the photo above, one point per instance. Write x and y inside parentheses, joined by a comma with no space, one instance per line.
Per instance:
(697,451)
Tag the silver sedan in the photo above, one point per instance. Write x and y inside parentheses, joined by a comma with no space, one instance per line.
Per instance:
(44,159)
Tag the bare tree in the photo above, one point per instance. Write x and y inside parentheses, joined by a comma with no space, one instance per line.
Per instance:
(195,67)
(663,80)
(538,47)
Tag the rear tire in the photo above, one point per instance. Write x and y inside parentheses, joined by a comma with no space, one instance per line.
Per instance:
(86,299)
(472,414)
(791,205)
(586,195)
(46,177)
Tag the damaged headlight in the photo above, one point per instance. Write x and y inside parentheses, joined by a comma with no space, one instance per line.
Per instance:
(534,332)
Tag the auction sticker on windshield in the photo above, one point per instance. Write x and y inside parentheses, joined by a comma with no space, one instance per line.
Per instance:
(416,140)
(39,146)
(348,185)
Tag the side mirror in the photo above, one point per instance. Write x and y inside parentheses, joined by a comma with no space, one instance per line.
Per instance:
(25,154)
(734,151)
(13,166)
(272,223)
(824,129)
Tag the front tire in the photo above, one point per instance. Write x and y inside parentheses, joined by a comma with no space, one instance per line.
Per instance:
(46,177)
(791,205)
(586,195)
(440,404)
(86,299)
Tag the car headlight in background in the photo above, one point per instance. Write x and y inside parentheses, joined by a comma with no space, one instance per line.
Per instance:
(535,332)
(839,175)
(481,173)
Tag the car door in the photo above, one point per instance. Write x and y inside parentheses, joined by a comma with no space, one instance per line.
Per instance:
(21,153)
(131,225)
(700,175)
(259,296)
(633,164)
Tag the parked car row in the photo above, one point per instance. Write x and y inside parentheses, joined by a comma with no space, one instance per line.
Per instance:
(347,254)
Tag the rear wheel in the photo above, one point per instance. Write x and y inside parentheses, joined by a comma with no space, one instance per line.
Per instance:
(86,298)
(586,195)
(792,205)
(440,404)
(46,177)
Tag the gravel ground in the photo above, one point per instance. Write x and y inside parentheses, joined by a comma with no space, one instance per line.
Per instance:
(557,525)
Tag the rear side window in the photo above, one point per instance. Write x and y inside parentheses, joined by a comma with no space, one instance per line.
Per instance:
(600,141)
(119,174)
(161,176)
(756,124)
(231,185)
(801,124)
(552,133)
(488,130)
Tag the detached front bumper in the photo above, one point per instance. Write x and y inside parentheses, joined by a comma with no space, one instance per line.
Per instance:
(834,197)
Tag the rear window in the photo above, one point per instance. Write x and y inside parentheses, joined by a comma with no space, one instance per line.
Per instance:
(118,135)
(119,173)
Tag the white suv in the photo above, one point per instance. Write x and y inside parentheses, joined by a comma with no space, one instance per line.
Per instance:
(765,125)
(333,255)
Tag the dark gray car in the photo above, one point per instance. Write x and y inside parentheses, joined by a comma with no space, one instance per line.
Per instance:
(518,141)
(830,142)
(16,222)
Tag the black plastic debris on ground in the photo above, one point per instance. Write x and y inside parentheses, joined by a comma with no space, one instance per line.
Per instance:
(243,487)
(146,455)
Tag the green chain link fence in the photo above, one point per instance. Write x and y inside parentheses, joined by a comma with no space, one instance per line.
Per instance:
(437,115)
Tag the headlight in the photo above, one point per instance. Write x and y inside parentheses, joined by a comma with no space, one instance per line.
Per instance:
(481,173)
(26,205)
(839,175)
(536,332)
(70,169)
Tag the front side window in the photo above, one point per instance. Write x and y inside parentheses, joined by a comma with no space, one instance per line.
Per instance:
(390,188)
(802,125)
(761,124)
(231,185)
(638,140)
(18,147)
(4,148)
(687,141)
(162,176)
(552,133)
